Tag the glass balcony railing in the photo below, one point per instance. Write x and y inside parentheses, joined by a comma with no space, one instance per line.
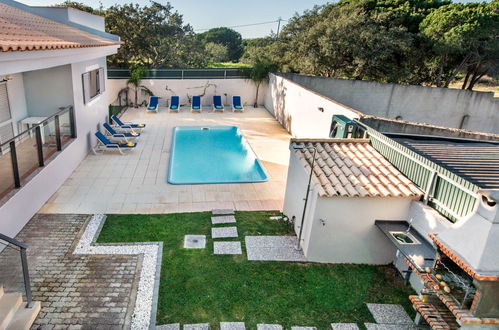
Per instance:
(31,149)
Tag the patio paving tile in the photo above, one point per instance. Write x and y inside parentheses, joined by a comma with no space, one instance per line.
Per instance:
(222,211)
(173,326)
(344,326)
(303,328)
(224,232)
(194,241)
(198,326)
(227,248)
(273,248)
(389,314)
(223,219)
(232,326)
(268,327)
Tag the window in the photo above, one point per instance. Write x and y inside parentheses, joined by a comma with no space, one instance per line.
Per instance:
(93,84)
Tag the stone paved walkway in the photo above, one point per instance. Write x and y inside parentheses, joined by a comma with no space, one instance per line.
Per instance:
(76,291)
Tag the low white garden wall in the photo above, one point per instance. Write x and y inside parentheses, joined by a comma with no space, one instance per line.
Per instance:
(165,88)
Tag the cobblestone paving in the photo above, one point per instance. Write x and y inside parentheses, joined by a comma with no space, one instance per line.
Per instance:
(76,291)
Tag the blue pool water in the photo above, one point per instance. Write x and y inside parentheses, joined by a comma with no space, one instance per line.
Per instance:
(212,154)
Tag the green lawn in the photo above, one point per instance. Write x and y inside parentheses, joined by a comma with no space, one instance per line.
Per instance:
(197,286)
(229,65)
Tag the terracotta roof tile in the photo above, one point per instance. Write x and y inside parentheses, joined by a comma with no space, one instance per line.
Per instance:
(353,168)
(24,31)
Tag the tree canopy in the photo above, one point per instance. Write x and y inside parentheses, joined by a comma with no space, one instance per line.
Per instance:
(228,38)
(399,41)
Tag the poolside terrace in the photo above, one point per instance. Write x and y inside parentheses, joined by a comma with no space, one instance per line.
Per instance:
(137,182)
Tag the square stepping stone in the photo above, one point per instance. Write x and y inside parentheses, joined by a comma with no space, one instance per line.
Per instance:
(222,211)
(223,219)
(303,328)
(198,326)
(273,248)
(224,232)
(389,314)
(268,327)
(172,326)
(227,248)
(194,241)
(375,326)
(232,326)
(344,326)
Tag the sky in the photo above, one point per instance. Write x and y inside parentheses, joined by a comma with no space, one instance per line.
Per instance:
(206,14)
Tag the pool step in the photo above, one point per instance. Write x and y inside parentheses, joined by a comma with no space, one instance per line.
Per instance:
(222,211)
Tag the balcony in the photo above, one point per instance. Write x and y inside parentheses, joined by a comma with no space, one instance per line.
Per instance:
(23,155)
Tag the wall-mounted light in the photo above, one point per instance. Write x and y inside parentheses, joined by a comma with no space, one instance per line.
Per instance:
(321,109)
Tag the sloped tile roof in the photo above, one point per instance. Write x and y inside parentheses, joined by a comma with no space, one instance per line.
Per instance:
(353,168)
(22,31)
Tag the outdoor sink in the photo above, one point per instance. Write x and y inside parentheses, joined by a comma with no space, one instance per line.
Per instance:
(403,237)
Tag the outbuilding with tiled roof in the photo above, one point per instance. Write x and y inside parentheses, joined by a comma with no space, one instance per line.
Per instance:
(352,185)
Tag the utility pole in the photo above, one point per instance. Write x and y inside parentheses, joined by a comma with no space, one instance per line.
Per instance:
(278,27)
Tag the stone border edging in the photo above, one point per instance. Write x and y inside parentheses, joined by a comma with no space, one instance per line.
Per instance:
(146,303)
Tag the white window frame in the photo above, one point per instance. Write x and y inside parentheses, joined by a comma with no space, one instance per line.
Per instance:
(101,82)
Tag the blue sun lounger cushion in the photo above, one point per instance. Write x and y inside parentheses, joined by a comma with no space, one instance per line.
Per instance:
(196,103)
(236,103)
(153,103)
(126,125)
(217,103)
(108,144)
(115,134)
(174,103)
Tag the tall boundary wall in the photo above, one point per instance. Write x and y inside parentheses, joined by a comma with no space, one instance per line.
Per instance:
(476,111)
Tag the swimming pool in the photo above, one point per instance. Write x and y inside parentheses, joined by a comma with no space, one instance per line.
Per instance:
(212,154)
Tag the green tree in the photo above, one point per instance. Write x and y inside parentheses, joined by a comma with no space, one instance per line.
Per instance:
(257,49)
(154,36)
(135,84)
(464,37)
(216,52)
(260,74)
(227,37)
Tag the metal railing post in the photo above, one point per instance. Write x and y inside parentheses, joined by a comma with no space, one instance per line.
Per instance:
(72,121)
(39,145)
(58,141)
(15,165)
(225,74)
(27,283)
(182,74)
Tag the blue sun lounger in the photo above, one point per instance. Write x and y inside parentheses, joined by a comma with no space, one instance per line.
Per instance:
(217,103)
(126,125)
(237,104)
(103,144)
(174,103)
(153,103)
(196,104)
(114,135)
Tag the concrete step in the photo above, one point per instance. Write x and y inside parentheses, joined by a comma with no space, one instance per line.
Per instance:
(24,317)
(9,304)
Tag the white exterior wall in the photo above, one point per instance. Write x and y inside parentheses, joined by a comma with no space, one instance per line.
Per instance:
(422,104)
(19,209)
(294,198)
(349,234)
(165,88)
(48,89)
(297,109)
(17,100)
